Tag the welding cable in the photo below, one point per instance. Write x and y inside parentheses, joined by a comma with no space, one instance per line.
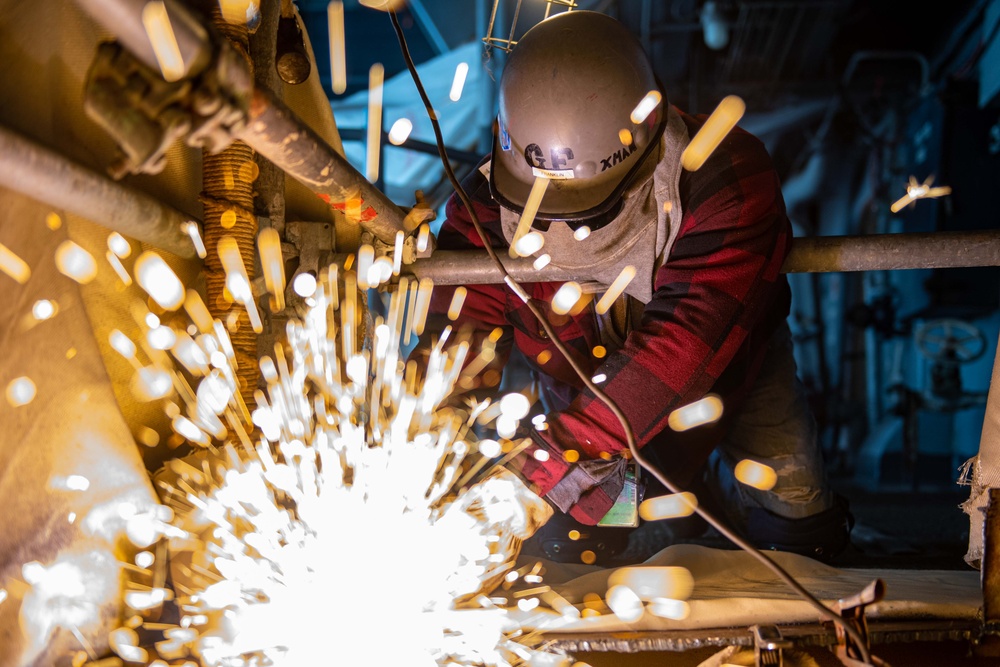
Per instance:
(779,571)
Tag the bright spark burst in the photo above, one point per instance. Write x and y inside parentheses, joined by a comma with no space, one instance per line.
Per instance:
(915,191)
(350,509)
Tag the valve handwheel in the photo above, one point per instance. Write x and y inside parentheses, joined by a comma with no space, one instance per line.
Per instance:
(950,341)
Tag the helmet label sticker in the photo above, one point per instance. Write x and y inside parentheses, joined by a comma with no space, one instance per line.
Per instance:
(558,156)
(504,138)
(553,174)
(617,156)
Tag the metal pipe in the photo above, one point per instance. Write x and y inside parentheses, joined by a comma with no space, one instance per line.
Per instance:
(819,254)
(892,252)
(42,174)
(279,135)
(123,19)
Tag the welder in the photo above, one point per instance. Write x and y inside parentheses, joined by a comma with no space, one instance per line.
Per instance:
(704,314)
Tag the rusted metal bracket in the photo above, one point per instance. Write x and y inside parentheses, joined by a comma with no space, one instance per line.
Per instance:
(852,610)
(769,646)
(145,114)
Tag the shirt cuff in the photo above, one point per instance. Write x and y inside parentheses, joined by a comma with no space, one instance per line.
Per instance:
(586,490)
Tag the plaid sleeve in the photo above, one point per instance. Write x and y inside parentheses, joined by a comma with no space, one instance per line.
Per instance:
(720,281)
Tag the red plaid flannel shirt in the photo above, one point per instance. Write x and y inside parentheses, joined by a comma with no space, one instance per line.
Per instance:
(717,300)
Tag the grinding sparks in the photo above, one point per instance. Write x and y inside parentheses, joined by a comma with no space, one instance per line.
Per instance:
(644,108)
(159,281)
(400,131)
(670,506)
(699,413)
(458,83)
(13,266)
(44,310)
(273,265)
(118,245)
(757,475)
(75,262)
(566,297)
(616,289)
(457,301)
(534,200)
(194,233)
(156,21)
(276,528)
(338,58)
(711,134)
(376,75)
(119,268)
(915,191)
(20,391)
(237,281)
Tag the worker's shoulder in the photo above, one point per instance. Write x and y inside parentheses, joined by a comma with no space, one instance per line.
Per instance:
(738,146)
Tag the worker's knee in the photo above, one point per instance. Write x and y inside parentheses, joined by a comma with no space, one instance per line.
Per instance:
(822,536)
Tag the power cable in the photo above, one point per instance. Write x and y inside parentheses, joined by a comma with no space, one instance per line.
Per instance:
(779,571)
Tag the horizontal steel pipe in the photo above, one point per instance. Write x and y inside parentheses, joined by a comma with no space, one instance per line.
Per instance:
(49,177)
(124,20)
(890,252)
(278,134)
(819,254)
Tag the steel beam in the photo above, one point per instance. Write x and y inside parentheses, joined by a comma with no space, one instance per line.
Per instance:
(49,177)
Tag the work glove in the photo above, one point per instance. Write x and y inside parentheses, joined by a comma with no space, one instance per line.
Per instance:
(511,505)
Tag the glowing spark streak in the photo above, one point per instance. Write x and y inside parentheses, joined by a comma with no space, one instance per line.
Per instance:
(194,233)
(156,21)
(625,136)
(757,475)
(711,134)
(375,77)
(75,262)
(159,281)
(118,245)
(529,244)
(423,237)
(530,210)
(653,582)
(411,310)
(20,391)
(304,285)
(197,311)
(366,257)
(645,107)
(541,262)
(461,72)
(119,268)
(400,131)
(625,604)
(273,265)
(704,411)
(44,310)
(13,266)
(338,59)
(676,610)
(397,253)
(457,301)
(581,233)
(423,304)
(237,281)
(122,344)
(668,507)
(616,289)
(566,297)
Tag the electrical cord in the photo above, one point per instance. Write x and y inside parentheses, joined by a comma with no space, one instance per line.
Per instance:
(781,573)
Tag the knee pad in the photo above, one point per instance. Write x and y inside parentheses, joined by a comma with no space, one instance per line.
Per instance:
(821,536)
